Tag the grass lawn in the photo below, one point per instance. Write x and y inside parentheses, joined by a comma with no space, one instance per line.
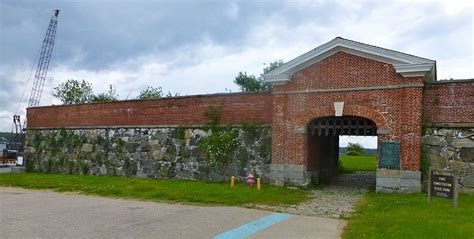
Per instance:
(157,190)
(410,216)
(351,164)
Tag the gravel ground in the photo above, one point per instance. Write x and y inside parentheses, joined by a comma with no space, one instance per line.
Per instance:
(336,200)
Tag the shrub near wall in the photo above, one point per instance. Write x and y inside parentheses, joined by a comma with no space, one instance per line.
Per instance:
(160,153)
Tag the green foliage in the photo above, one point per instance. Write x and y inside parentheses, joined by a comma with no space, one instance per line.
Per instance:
(98,159)
(36,140)
(220,145)
(51,141)
(351,164)
(171,95)
(49,165)
(158,190)
(120,145)
(251,83)
(353,153)
(8,136)
(356,148)
(73,92)
(129,167)
(436,101)
(150,93)
(100,139)
(84,167)
(180,131)
(213,114)
(29,167)
(250,130)
(381,215)
(110,96)
(272,65)
(71,166)
(63,133)
(265,148)
(243,157)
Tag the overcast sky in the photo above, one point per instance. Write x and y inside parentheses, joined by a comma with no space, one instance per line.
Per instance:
(198,47)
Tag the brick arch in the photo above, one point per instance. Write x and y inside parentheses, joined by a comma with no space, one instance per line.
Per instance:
(349,110)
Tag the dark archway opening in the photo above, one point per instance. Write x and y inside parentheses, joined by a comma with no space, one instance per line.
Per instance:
(323,143)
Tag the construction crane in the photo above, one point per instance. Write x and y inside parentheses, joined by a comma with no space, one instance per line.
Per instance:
(16,145)
(43,61)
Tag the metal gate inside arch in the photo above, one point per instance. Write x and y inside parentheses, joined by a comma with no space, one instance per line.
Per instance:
(347,125)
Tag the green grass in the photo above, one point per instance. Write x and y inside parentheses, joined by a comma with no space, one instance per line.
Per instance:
(351,164)
(410,216)
(158,190)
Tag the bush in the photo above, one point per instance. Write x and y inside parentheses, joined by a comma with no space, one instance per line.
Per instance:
(358,148)
(353,153)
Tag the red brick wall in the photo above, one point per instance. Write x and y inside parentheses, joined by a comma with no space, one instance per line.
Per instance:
(396,110)
(449,102)
(235,109)
(293,106)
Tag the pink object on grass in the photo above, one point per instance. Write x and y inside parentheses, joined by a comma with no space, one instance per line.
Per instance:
(250,180)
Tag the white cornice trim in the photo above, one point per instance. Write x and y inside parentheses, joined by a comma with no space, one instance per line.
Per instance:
(407,65)
(277,79)
(408,70)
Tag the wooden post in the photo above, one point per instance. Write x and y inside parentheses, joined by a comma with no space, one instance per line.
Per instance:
(232,179)
(429,186)
(258,183)
(455,196)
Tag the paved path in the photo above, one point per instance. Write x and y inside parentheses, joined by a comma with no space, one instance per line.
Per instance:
(44,214)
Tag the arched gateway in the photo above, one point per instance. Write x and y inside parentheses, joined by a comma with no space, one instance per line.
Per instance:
(323,133)
(345,87)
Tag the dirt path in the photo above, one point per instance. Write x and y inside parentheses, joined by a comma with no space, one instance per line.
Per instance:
(336,200)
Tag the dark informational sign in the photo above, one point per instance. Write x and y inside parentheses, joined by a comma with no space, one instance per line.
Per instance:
(443,183)
(389,155)
(442,186)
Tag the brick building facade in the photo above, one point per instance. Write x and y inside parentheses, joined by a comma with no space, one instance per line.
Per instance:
(390,91)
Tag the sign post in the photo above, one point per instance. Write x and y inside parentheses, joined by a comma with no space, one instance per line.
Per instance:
(443,183)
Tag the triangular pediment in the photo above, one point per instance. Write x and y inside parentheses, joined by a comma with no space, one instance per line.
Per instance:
(405,64)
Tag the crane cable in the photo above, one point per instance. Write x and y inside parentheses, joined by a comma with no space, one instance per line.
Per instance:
(27,82)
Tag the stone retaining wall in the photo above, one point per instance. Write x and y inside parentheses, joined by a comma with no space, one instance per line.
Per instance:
(452,148)
(162,153)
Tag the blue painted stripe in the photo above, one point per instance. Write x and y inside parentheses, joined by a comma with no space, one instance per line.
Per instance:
(254,226)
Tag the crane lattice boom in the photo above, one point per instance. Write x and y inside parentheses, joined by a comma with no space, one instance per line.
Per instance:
(43,61)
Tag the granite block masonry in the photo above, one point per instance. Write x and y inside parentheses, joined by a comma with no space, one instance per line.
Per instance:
(452,148)
(160,153)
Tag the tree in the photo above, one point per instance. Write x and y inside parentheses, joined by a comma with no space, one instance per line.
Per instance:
(252,83)
(150,93)
(110,96)
(171,95)
(355,149)
(249,82)
(73,92)
(272,65)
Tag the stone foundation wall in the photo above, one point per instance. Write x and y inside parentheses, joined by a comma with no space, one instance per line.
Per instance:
(160,153)
(450,147)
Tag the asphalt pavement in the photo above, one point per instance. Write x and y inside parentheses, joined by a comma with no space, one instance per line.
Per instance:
(47,214)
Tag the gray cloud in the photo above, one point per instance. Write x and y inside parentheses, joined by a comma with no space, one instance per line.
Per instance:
(198,46)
